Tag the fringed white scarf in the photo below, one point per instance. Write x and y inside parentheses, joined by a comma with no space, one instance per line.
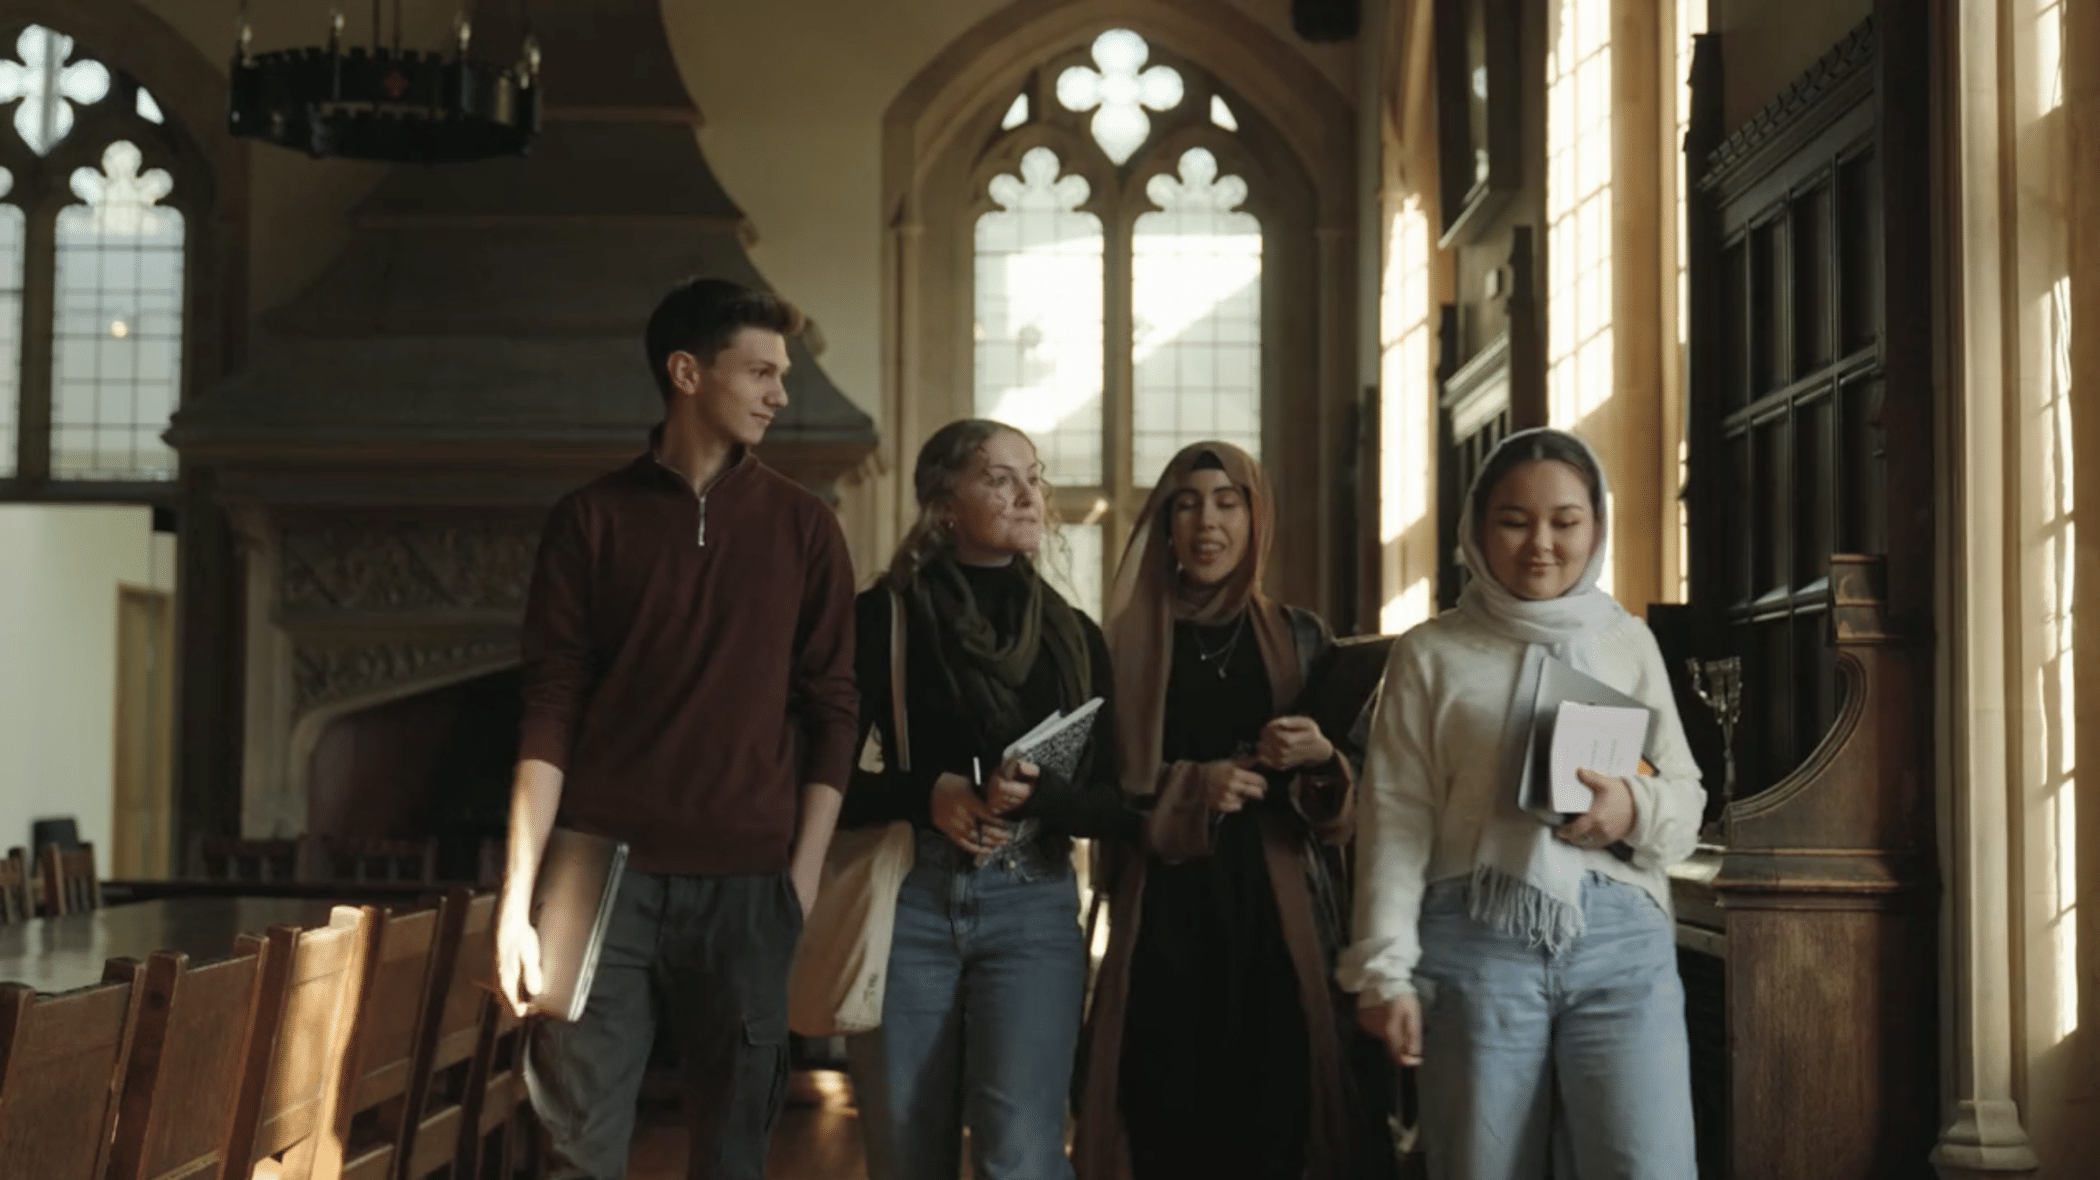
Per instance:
(1526,883)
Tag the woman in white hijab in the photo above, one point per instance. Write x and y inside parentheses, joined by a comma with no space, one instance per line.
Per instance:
(1529,969)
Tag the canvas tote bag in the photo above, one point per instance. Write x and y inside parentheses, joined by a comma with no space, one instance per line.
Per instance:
(835,986)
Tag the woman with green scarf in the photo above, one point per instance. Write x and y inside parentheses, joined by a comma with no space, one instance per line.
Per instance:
(987,968)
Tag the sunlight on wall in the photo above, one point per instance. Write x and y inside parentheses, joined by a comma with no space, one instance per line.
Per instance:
(2055,545)
(1407,423)
(1579,375)
(2059,544)
(1578,212)
(1690,22)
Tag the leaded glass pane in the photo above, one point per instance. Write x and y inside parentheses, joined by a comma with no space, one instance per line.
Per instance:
(118,336)
(1039,317)
(1071,560)
(1196,298)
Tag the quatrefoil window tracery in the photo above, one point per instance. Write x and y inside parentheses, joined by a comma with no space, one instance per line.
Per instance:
(48,86)
(1120,91)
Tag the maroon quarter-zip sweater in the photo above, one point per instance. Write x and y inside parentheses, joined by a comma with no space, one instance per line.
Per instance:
(676,649)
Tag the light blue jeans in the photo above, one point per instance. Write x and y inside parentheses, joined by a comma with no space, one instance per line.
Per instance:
(1581,1053)
(980,1016)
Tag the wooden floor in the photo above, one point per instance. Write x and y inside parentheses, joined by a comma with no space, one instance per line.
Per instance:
(818,1138)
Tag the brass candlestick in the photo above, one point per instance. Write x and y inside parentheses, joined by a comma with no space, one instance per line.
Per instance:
(1720,684)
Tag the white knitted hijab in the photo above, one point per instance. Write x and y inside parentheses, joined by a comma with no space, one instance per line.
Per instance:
(1526,883)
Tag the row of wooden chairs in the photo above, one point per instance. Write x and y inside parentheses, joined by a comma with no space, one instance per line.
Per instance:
(64,877)
(358,859)
(368,1049)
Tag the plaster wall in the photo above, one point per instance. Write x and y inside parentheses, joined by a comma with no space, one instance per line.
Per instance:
(60,568)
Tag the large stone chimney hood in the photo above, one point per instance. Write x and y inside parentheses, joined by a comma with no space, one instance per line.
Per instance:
(401,427)
(492,312)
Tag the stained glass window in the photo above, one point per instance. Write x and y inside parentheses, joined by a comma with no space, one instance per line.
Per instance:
(1196,314)
(1117,312)
(1039,289)
(114,280)
(118,341)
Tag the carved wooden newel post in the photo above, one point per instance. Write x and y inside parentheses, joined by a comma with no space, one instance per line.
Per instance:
(1832,897)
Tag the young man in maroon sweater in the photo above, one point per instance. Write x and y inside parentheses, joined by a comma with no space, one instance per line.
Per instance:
(690,626)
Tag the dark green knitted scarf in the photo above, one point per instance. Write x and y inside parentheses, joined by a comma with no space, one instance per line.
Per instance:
(986,676)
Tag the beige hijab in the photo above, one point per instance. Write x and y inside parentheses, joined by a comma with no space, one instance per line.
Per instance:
(1148,596)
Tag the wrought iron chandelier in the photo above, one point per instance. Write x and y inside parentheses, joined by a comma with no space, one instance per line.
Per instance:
(384,102)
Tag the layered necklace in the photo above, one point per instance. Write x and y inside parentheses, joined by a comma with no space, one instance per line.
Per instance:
(1220,659)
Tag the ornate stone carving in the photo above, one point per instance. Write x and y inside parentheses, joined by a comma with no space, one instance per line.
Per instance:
(338,672)
(383,565)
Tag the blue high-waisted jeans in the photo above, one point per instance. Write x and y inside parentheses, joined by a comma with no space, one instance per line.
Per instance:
(1585,1049)
(980,1015)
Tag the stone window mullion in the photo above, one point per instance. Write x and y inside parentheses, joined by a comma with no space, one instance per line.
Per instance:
(1118,386)
(39,311)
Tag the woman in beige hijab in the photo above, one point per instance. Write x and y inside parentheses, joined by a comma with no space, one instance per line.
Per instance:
(1215,1048)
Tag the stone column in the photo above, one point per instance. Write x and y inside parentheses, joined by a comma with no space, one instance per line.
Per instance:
(1985,1137)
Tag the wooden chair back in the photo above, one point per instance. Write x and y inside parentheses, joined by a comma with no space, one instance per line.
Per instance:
(391,1045)
(293,1077)
(15,905)
(175,1105)
(58,1057)
(439,1135)
(488,862)
(498,1107)
(230,858)
(362,859)
(70,883)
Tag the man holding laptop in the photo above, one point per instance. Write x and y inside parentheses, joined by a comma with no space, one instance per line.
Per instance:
(689,632)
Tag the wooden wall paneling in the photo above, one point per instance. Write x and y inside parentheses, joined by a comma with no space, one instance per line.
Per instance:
(1829,881)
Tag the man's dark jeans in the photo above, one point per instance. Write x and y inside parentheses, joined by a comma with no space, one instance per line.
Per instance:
(711,955)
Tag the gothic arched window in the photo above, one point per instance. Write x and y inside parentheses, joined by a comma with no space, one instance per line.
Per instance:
(1122,280)
(98,196)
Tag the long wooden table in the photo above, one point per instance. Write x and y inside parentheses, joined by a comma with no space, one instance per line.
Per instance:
(59,954)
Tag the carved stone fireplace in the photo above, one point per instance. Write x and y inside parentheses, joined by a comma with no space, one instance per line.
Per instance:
(391,448)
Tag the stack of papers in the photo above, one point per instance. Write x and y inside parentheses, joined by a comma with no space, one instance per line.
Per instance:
(1578,723)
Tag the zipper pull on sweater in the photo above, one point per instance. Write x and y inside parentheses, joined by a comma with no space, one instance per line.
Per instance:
(703,520)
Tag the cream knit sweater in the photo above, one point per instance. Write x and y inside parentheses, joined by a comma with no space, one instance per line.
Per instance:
(1431,774)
